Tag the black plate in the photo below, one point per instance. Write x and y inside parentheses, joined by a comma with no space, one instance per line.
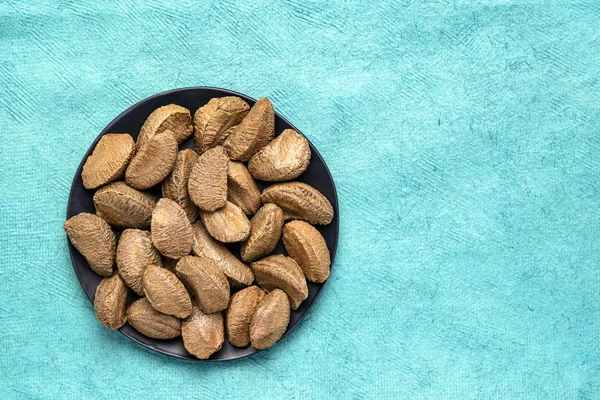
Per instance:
(130,121)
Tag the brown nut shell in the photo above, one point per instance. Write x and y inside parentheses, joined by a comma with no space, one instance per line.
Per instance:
(135,252)
(95,240)
(228,225)
(281,272)
(254,132)
(285,158)
(241,309)
(300,201)
(203,334)
(153,161)
(305,244)
(265,231)
(206,281)
(123,206)
(166,293)
(172,118)
(238,273)
(270,320)
(110,302)
(175,187)
(213,121)
(207,183)
(108,161)
(146,320)
(241,188)
(171,229)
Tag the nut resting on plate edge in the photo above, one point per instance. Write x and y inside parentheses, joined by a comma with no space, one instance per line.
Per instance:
(166,218)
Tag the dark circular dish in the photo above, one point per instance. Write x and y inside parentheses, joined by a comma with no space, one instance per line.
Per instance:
(130,121)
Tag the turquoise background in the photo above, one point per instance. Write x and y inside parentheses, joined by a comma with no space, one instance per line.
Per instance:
(463,139)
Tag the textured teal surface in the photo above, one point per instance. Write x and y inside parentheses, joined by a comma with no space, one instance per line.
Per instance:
(464,141)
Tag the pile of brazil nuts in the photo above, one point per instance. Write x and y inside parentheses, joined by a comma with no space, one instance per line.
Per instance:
(170,273)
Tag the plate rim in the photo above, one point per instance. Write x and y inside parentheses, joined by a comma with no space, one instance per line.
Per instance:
(105,130)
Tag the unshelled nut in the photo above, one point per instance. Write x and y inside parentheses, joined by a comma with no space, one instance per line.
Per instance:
(94,239)
(270,320)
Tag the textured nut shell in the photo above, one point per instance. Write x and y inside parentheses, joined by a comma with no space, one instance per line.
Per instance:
(171,229)
(110,302)
(213,121)
(270,320)
(172,118)
(108,161)
(300,201)
(265,231)
(153,161)
(175,187)
(207,183)
(146,320)
(203,334)
(281,272)
(305,244)
(238,273)
(94,239)
(241,188)
(135,252)
(166,293)
(241,309)
(254,132)
(228,225)
(206,281)
(285,158)
(123,206)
